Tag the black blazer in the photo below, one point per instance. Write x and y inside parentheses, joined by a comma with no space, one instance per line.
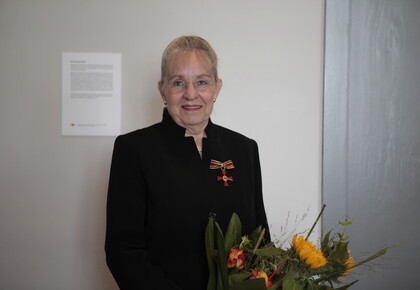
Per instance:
(159,199)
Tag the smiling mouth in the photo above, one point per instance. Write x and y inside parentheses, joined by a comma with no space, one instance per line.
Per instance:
(191,107)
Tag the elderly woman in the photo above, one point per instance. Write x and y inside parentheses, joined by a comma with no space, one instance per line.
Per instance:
(166,179)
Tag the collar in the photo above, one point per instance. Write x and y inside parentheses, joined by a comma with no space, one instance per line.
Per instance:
(175,130)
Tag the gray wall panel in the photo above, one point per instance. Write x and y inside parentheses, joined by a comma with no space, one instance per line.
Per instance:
(374,120)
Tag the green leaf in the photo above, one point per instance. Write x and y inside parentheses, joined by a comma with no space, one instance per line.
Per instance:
(238,277)
(340,251)
(233,233)
(290,284)
(219,285)
(268,252)
(325,241)
(252,284)
(324,287)
(374,256)
(221,257)
(277,285)
(253,237)
(209,239)
(312,286)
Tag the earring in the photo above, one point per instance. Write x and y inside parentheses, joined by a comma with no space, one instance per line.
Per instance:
(214,100)
(164,102)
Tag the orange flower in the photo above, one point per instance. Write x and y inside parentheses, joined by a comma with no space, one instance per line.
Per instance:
(349,266)
(261,274)
(236,259)
(308,252)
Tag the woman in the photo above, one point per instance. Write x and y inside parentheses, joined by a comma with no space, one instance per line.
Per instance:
(166,179)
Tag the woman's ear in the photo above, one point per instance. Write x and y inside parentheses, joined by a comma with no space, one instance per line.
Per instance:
(160,88)
(219,84)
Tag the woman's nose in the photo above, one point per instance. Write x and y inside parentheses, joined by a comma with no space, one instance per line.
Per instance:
(190,91)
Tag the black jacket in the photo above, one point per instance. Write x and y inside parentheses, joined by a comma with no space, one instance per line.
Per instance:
(159,199)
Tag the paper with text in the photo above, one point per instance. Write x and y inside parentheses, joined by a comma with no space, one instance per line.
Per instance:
(91,94)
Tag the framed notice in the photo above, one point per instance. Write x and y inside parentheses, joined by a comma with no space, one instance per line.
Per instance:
(91,94)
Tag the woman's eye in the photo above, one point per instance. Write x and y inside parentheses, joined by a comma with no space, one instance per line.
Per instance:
(201,83)
(178,84)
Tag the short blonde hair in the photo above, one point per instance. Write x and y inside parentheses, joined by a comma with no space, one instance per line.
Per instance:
(189,44)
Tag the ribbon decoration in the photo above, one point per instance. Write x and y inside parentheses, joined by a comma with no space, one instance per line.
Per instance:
(214,164)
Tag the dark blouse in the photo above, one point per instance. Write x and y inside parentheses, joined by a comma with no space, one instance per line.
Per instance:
(159,199)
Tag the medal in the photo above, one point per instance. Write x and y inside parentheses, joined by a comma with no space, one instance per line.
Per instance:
(214,164)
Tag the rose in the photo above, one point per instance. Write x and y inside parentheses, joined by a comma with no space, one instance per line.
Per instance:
(261,274)
(236,259)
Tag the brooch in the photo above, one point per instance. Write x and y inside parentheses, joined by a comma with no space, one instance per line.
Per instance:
(214,164)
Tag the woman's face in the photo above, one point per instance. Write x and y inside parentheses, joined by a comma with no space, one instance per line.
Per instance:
(190,90)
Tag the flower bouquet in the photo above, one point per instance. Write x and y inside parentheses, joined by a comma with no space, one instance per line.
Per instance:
(241,262)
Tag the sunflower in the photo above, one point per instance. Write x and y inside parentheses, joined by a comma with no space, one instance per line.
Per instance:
(308,252)
(349,263)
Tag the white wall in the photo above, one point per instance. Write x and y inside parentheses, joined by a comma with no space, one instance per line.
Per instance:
(53,188)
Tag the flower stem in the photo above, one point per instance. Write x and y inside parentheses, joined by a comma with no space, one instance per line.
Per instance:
(275,272)
(260,238)
(316,221)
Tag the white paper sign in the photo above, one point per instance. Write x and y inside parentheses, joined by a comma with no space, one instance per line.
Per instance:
(91,94)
